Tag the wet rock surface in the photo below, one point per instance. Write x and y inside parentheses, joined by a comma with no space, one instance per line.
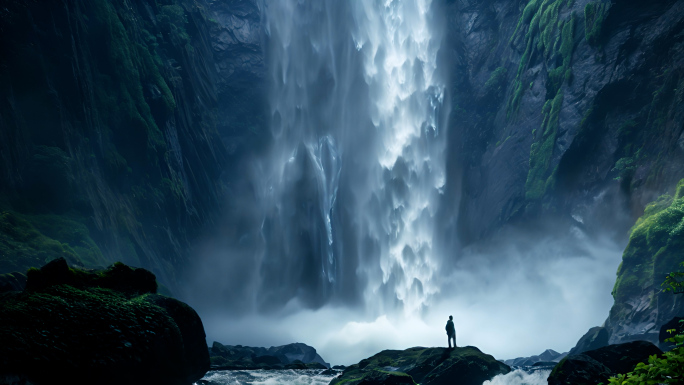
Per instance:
(429,366)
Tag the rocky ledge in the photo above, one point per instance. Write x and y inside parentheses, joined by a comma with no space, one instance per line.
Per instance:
(596,366)
(290,356)
(98,327)
(426,366)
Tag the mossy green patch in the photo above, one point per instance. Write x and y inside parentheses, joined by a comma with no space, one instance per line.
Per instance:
(541,176)
(33,240)
(595,13)
(544,37)
(496,81)
(655,248)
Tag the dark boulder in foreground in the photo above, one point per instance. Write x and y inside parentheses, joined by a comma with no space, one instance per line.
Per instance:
(107,327)
(427,366)
(596,366)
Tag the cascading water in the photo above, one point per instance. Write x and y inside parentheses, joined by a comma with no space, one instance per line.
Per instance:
(337,226)
(351,185)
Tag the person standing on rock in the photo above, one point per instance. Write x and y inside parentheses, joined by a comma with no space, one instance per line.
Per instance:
(451,331)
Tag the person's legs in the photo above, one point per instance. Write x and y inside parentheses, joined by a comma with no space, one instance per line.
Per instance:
(452,337)
(449,339)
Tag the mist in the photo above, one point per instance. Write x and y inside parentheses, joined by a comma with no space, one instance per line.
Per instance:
(518,295)
(341,233)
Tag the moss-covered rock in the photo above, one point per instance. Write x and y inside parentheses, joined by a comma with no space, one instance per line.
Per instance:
(108,327)
(655,248)
(427,366)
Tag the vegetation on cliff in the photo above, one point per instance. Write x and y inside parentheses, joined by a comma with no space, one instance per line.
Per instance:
(110,151)
(655,247)
(552,38)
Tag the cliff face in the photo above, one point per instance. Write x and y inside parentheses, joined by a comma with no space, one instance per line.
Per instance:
(575,110)
(564,107)
(237,45)
(108,141)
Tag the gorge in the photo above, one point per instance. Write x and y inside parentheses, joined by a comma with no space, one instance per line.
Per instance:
(349,174)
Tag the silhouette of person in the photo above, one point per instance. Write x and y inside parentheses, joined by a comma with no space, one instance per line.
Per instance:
(451,331)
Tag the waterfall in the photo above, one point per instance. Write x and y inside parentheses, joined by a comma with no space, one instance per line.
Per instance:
(350,187)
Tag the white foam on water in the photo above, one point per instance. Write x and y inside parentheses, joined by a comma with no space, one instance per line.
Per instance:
(520,377)
(267,377)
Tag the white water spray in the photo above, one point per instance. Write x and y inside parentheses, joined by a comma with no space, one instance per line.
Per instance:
(354,176)
(399,50)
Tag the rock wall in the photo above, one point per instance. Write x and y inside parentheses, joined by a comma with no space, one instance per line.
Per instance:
(108,142)
(570,108)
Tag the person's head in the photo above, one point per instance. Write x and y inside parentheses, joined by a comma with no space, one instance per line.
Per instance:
(451,318)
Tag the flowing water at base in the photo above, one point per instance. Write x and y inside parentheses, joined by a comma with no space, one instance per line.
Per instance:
(314,377)
(266,377)
(520,377)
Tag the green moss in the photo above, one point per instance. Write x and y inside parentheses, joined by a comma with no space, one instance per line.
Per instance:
(679,192)
(558,370)
(655,248)
(173,20)
(91,331)
(125,68)
(545,35)
(33,240)
(562,73)
(595,13)
(539,177)
(496,80)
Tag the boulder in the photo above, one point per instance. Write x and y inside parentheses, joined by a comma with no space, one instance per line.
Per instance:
(596,337)
(595,366)
(579,370)
(290,356)
(104,327)
(427,366)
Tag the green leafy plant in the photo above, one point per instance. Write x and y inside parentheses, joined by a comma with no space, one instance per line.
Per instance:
(669,367)
(674,281)
(666,369)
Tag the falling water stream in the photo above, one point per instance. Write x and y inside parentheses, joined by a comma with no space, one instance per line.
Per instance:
(351,185)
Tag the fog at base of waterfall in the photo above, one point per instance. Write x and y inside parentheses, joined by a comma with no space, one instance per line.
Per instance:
(508,307)
(343,238)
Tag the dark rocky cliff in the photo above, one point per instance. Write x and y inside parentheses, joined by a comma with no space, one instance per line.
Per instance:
(564,108)
(108,142)
(574,110)
(111,147)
